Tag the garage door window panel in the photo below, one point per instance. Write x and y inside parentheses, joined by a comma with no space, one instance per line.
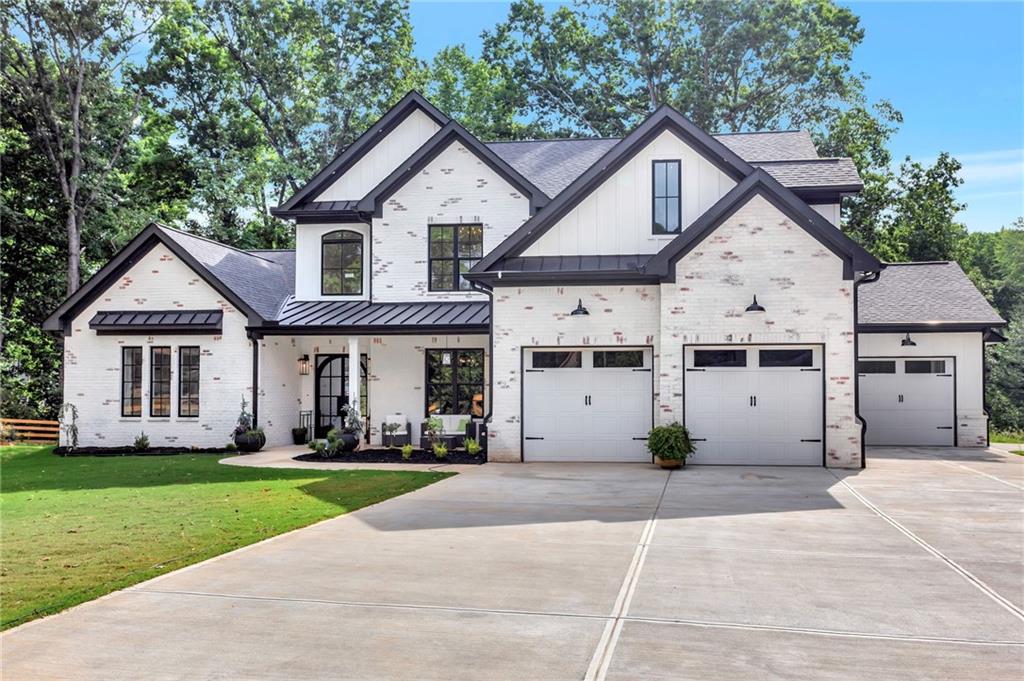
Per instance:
(786,358)
(868,366)
(719,358)
(926,366)
(557,360)
(618,359)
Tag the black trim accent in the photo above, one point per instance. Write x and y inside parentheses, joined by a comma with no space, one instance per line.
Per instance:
(255,381)
(667,197)
(136,381)
(454,384)
(455,259)
(182,382)
(129,322)
(452,132)
(364,330)
(341,239)
(665,118)
(355,151)
(164,383)
(925,327)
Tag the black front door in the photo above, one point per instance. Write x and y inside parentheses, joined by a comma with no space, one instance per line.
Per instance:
(332,396)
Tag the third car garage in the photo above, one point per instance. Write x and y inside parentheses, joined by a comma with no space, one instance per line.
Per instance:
(755,404)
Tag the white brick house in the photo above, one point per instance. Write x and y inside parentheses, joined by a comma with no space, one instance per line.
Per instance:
(568,293)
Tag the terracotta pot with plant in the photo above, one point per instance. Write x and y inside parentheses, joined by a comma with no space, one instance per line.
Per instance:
(670,445)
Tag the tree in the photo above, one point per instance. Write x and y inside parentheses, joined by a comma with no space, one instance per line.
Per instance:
(600,66)
(68,62)
(266,91)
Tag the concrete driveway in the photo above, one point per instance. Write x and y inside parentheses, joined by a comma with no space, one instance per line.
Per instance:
(911,569)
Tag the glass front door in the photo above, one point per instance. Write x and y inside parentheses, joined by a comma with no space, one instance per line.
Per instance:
(332,396)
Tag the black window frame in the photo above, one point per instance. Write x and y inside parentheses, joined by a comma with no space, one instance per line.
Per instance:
(797,357)
(135,385)
(455,259)
(455,383)
(667,197)
(603,355)
(329,239)
(185,380)
(702,356)
(868,366)
(575,355)
(159,385)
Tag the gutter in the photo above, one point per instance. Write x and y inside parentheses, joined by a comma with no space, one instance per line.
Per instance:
(483,288)
(866,279)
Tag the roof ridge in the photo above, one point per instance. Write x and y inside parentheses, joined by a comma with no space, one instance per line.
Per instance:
(802,160)
(215,243)
(921,262)
(557,139)
(759,132)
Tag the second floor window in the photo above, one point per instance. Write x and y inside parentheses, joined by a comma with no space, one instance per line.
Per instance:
(453,250)
(341,263)
(666,198)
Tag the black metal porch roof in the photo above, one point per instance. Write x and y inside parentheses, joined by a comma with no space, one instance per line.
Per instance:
(163,321)
(333,316)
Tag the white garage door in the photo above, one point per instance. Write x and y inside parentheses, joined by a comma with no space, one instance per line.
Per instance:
(587,404)
(755,405)
(907,401)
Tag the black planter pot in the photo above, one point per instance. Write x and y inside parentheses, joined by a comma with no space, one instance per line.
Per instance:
(250,442)
(349,442)
(299,436)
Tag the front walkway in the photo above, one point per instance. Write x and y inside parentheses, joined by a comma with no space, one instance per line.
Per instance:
(911,569)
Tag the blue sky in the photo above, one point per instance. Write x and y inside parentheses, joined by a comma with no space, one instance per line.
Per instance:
(955,70)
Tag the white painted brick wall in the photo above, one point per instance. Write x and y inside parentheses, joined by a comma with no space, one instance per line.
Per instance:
(92,363)
(456,187)
(539,316)
(799,282)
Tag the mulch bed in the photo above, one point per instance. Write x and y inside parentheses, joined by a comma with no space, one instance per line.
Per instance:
(131,451)
(376,455)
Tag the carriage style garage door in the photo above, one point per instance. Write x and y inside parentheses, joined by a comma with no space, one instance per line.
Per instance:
(755,405)
(908,401)
(587,404)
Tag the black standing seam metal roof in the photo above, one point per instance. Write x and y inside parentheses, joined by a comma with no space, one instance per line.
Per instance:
(142,321)
(383,317)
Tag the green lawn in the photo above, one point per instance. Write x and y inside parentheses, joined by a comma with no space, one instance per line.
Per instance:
(73,529)
(1014,437)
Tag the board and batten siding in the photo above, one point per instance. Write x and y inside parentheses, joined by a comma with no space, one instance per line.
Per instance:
(308,260)
(92,362)
(616,217)
(830,211)
(538,316)
(968,349)
(454,188)
(760,251)
(382,159)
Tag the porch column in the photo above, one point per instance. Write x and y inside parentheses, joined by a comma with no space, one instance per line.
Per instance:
(354,375)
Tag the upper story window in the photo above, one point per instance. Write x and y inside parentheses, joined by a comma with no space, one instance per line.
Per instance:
(341,263)
(453,250)
(666,193)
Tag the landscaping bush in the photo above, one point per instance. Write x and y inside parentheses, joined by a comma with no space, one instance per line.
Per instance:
(141,442)
(473,448)
(407,452)
(440,450)
(671,442)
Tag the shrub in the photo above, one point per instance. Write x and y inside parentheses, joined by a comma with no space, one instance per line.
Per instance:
(434,426)
(473,447)
(231,447)
(141,442)
(406,452)
(671,442)
(389,433)
(440,450)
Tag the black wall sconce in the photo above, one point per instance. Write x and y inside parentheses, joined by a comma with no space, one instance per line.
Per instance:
(907,342)
(304,365)
(580,310)
(755,306)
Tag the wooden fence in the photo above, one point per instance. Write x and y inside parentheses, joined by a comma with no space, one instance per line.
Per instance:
(29,431)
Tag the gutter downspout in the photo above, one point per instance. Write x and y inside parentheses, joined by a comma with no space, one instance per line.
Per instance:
(866,279)
(487,291)
(255,379)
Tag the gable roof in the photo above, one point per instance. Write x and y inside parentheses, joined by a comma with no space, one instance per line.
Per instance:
(257,286)
(782,145)
(553,164)
(760,182)
(451,132)
(835,174)
(665,118)
(924,295)
(363,144)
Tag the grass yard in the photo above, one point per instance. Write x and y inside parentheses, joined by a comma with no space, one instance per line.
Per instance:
(1011,437)
(73,529)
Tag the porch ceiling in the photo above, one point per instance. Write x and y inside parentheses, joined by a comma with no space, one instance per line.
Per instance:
(336,316)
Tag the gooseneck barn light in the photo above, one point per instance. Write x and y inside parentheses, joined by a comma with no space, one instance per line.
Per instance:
(755,306)
(580,310)
(907,342)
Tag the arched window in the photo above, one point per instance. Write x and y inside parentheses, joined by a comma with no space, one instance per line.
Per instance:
(341,263)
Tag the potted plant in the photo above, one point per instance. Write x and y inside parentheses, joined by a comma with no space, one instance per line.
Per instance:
(350,432)
(432,428)
(299,435)
(247,438)
(670,445)
(389,434)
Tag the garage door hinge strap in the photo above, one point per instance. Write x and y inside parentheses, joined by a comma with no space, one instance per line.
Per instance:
(533,438)
(688,369)
(811,440)
(817,369)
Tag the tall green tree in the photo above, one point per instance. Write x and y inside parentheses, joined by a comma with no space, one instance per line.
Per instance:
(266,91)
(598,67)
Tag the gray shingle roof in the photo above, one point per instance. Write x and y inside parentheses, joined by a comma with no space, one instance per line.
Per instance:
(923,293)
(260,282)
(386,316)
(552,165)
(824,172)
(786,145)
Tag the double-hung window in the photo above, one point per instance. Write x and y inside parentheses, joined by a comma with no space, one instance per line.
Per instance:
(453,250)
(160,381)
(455,382)
(666,198)
(188,381)
(131,381)
(341,263)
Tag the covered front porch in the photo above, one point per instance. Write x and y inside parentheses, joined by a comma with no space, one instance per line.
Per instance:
(434,364)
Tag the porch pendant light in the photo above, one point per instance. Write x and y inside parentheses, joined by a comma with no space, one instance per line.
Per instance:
(580,310)
(755,306)
(304,365)
(906,342)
